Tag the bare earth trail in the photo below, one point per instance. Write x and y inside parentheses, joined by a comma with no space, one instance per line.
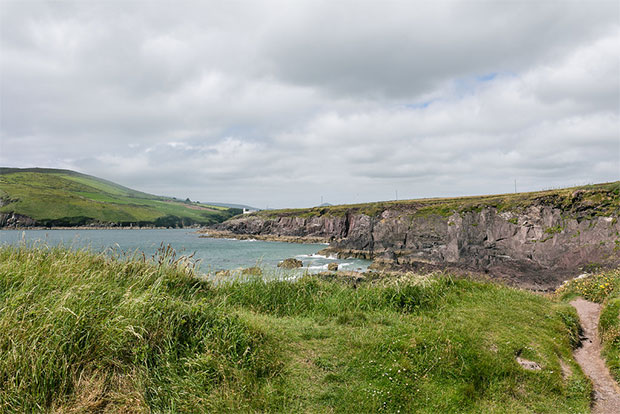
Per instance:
(588,356)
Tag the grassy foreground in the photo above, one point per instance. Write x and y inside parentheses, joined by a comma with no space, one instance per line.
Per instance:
(602,287)
(81,332)
(67,198)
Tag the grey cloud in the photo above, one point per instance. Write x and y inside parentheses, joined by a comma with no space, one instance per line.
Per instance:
(404,49)
(278,103)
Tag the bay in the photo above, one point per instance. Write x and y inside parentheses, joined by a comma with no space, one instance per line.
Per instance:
(213,254)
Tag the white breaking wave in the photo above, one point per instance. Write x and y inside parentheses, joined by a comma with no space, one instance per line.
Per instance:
(312,256)
(319,267)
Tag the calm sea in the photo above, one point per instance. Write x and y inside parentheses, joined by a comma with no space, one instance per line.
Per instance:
(214,254)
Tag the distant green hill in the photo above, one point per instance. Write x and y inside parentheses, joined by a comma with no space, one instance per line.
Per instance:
(232,205)
(51,197)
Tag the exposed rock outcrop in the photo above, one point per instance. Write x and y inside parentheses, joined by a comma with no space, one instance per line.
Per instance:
(12,221)
(536,243)
(223,234)
(290,263)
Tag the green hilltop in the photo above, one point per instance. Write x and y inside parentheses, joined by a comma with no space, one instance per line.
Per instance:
(53,197)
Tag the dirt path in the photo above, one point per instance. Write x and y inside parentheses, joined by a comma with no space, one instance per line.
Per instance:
(606,391)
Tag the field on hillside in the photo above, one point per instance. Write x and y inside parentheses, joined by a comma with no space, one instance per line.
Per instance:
(65,198)
(81,332)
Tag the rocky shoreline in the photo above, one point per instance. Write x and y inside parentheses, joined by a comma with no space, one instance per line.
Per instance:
(89,228)
(13,221)
(223,234)
(535,241)
(93,228)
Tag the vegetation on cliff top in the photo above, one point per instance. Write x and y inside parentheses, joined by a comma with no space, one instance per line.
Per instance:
(584,201)
(81,332)
(66,198)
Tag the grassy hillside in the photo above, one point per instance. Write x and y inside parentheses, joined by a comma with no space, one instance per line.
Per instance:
(596,199)
(85,333)
(66,198)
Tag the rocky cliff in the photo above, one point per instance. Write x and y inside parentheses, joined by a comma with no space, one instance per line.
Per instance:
(12,220)
(536,240)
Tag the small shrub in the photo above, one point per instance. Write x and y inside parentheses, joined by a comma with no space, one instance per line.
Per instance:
(554,230)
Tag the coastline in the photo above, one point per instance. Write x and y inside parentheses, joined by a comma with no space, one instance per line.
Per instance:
(221,234)
(95,228)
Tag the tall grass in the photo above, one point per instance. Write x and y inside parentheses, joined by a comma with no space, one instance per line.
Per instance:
(81,332)
(311,297)
(135,331)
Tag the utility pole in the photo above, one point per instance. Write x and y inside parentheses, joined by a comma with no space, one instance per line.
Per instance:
(515,186)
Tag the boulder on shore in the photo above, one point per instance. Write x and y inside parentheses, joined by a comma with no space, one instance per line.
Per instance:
(290,263)
(332,266)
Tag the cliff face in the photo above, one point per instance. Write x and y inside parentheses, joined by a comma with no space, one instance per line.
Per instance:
(538,243)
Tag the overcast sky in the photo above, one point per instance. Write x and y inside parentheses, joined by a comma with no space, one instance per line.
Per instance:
(281,103)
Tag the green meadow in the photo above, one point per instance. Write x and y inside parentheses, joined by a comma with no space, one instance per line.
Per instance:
(84,332)
(66,198)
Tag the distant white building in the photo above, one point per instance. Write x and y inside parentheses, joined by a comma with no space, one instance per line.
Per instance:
(249,210)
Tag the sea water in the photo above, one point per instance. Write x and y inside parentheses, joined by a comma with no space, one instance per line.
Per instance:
(212,254)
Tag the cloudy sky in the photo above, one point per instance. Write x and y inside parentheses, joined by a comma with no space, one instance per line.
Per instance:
(281,103)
